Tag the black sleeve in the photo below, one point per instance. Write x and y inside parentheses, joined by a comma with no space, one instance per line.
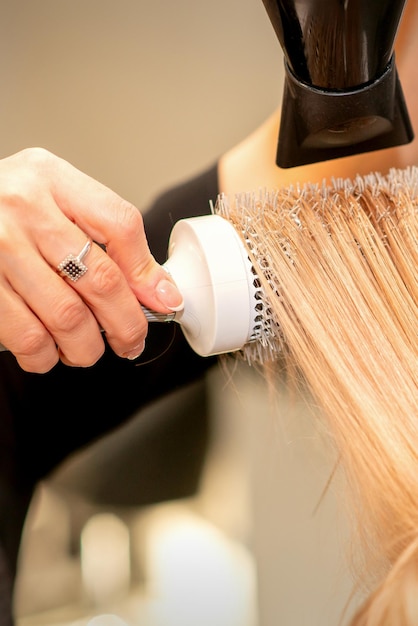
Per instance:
(188,199)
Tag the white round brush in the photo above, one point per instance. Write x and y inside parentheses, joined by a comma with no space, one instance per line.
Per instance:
(210,265)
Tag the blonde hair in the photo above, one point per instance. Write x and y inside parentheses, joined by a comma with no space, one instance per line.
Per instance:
(338,264)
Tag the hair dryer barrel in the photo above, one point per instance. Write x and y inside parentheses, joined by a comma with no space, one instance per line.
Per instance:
(342,94)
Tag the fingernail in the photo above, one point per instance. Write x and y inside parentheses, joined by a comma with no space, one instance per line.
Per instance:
(169,295)
(135,352)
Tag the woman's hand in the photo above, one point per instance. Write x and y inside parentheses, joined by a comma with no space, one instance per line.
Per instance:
(48,210)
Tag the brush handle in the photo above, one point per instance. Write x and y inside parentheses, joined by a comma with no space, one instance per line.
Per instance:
(153,316)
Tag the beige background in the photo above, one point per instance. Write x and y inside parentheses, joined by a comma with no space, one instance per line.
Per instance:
(141,94)
(137,93)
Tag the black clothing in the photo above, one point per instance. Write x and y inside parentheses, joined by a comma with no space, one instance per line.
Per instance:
(46,417)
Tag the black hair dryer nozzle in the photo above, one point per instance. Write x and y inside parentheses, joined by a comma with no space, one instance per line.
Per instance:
(342,94)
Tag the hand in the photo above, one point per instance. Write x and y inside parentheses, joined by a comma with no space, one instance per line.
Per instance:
(49,209)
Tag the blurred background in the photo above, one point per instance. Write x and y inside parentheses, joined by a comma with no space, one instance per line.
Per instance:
(142,95)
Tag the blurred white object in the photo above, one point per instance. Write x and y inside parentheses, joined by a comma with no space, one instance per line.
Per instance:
(105,559)
(196,574)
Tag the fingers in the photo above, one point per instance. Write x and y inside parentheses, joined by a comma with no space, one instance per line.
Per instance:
(105,291)
(72,314)
(45,317)
(110,220)
(24,334)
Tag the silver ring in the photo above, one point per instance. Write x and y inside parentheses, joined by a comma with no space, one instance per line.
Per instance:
(72,266)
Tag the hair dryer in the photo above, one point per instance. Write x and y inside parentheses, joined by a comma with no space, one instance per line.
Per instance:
(342,94)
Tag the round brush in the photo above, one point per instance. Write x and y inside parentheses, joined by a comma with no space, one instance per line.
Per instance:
(223,303)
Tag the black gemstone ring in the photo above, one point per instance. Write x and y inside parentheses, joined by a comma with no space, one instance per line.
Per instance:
(72,266)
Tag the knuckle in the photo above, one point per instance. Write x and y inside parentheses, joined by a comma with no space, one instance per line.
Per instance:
(129,219)
(34,162)
(20,192)
(107,278)
(36,156)
(33,341)
(69,315)
(133,336)
(23,187)
(128,338)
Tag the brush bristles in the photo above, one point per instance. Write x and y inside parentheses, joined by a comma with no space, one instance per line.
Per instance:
(247,214)
(272,223)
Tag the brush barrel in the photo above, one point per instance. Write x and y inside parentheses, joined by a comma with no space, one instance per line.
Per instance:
(209,263)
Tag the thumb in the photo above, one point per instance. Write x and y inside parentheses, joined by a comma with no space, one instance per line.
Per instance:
(155,288)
